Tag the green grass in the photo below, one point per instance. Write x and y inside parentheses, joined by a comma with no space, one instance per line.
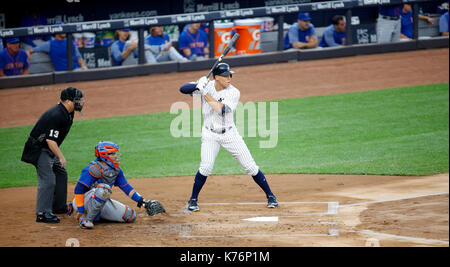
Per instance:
(401,131)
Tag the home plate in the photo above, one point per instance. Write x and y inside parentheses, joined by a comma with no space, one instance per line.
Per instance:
(262,219)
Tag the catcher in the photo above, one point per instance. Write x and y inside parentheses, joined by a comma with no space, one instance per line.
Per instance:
(93,190)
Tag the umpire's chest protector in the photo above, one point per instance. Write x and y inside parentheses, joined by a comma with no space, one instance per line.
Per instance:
(104,173)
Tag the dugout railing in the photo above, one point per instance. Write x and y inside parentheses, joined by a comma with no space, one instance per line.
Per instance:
(279,12)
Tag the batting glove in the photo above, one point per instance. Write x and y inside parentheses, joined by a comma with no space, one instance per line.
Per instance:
(201,84)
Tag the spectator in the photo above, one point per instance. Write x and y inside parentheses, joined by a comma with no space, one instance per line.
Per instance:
(118,51)
(407,22)
(443,24)
(301,34)
(13,60)
(334,35)
(161,46)
(193,42)
(57,50)
(34,18)
(1,44)
(389,23)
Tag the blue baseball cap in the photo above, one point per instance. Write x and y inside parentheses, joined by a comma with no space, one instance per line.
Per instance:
(12,40)
(126,29)
(304,16)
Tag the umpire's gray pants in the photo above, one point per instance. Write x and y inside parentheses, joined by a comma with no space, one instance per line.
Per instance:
(52,187)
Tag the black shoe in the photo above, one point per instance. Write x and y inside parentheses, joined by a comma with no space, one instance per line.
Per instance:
(192,205)
(272,202)
(47,218)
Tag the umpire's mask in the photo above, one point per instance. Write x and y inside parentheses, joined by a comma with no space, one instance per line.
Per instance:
(75,95)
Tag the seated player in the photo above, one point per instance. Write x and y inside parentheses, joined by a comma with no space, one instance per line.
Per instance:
(93,190)
(161,46)
(334,35)
(13,60)
(302,34)
(193,42)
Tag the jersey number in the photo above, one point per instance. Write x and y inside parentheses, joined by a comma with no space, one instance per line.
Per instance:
(54,133)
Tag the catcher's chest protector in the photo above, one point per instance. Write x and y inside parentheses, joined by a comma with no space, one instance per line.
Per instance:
(103,173)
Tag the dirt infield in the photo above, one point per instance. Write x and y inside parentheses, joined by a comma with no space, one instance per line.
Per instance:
(413,212)
(315,210)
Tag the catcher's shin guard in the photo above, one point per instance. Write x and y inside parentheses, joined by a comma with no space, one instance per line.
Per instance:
(94,205)
(130,215)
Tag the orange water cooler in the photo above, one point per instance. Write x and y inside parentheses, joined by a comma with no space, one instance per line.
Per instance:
(222,37)
(249,41)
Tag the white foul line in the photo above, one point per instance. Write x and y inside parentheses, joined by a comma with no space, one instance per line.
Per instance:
(393,199)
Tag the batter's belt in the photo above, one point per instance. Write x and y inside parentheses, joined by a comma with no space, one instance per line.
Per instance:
(219,131)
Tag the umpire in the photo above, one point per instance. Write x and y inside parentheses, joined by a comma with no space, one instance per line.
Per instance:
(42,150)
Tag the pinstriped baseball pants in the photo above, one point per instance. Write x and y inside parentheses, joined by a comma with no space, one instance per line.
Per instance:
(233,143)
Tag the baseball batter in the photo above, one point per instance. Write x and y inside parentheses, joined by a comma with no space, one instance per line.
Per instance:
(219,102)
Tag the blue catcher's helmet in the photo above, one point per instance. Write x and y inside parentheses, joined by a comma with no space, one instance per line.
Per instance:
(108,152)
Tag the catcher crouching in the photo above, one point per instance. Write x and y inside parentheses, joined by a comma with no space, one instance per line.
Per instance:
(93,190)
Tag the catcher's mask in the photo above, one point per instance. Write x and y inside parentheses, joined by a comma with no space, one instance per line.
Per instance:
(108,152)
(222,69)
(75,95)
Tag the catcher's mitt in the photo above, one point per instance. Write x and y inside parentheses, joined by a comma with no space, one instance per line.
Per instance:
(152,207)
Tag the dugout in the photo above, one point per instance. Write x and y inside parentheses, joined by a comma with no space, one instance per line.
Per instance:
(361,17)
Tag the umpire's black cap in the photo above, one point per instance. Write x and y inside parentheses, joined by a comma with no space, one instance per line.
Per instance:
(222,69)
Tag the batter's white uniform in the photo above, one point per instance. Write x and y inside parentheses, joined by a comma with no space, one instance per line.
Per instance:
(220,131)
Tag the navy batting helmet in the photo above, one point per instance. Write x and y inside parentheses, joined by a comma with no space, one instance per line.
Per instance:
(222,69)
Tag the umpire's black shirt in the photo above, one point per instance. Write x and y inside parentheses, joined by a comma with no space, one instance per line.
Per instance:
(55,123)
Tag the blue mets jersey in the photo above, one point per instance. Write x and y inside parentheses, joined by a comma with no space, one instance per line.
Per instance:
(196,42)
(13,64)
(295,34)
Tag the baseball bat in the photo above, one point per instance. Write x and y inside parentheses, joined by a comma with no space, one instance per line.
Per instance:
(224,53)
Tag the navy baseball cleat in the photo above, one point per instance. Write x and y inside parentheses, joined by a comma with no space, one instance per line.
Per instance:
(272,201)
(192,205)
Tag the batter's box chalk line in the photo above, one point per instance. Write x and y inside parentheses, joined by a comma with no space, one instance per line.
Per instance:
(332,208)
(332,227)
